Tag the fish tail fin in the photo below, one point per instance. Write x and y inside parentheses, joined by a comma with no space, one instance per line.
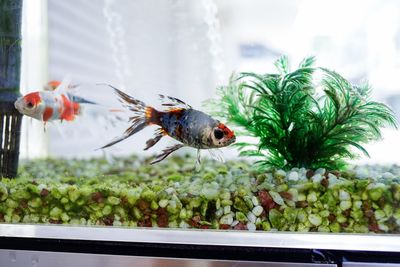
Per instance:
(142,115)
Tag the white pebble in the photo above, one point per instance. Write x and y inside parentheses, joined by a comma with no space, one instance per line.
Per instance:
(163,203)
(226,219)
(383,227)
(255,201)
(345,204)
(219,212)
(227,209)
(293,176)
(362,173)
(234,223)
(331,176)
(277,198)
(117,223)
(184,225)
(257,210)
(280,173)
(344,195)
(41,187)
(320,171)
(251,226)
(170,190)
(388,175)
(251,217)
(317,178)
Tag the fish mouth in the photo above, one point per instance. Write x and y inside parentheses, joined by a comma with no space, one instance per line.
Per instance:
(17,104)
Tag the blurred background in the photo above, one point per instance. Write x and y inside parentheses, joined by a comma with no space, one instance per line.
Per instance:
(186,48)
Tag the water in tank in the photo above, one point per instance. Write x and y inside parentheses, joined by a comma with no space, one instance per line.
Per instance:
(229,115)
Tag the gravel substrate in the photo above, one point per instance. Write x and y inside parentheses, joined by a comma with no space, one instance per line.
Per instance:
(129,192)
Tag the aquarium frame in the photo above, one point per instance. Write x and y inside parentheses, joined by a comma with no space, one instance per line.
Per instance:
(282,240)
(62,259)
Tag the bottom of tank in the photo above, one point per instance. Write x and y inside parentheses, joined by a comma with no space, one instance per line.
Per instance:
(128,192)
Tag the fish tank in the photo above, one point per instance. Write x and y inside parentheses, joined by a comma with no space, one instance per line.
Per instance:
(221,133)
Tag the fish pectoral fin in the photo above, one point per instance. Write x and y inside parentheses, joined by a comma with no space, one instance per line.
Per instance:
(166,152)
(152,141)
(175,102)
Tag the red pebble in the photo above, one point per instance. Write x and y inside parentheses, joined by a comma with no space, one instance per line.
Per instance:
(373,227)
(44,192)
(162,217)
(224,226)
(266,200)
(240,226)
(286,195)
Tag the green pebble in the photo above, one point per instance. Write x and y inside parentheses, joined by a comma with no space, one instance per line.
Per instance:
(154,205)
(275,218)
(3,192)
(239,204)
(315,219)
(375,193)
(226,202)
(195,202)
(302,216)
(290,214)
(341,219)
(55,213)
(113,200)
(35,203)
(241,217)
(380,214)
(11,203)
(148,195)
(345,204)
(15,218)
(324,213)
(64,200)
(266,226)
(73,194)
(65,217)
(137,213)
(183,214)
(106,210)
(334,227)
(312,197)
(324,229)
(175,177)
(301,197)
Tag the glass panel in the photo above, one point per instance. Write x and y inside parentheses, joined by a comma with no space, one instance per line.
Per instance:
(312,129)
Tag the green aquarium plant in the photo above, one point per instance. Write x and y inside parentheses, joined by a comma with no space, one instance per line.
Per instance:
(299,120)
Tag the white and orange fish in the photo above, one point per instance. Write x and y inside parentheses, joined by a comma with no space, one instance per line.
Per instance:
(55,103)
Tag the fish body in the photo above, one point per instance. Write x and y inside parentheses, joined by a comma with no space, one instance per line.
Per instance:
(48,106)
(55,102)
(192,127)
(180,121)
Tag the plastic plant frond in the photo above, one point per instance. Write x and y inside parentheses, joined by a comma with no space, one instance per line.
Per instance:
(294,125)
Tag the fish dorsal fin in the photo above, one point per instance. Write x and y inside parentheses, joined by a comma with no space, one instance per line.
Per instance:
(63,87)
(51,85)
(173,103)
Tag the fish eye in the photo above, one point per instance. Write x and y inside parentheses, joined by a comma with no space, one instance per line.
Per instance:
(29,105)
(218,133)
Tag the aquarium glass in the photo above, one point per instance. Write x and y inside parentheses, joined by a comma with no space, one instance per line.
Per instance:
(260,67)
